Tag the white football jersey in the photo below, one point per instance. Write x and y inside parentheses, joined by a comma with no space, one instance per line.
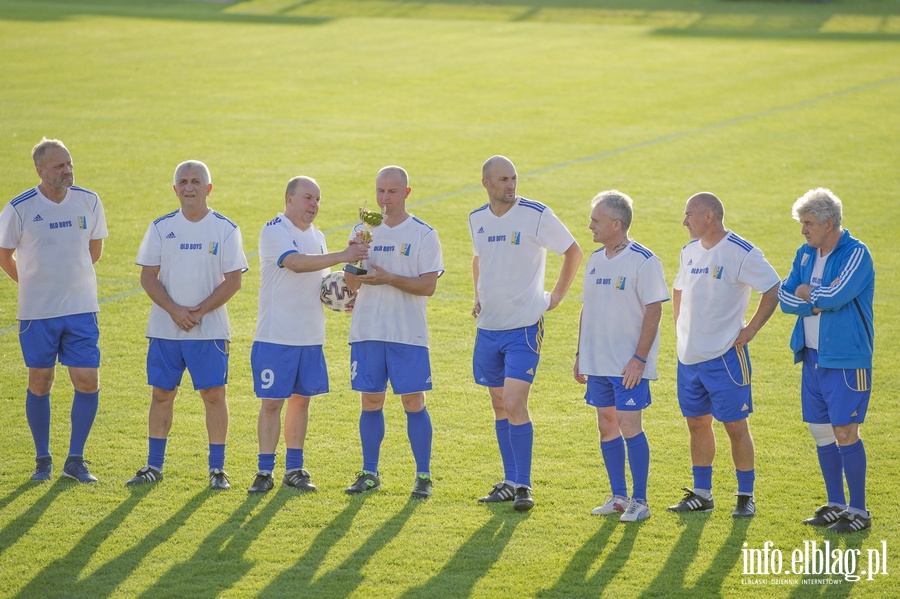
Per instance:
(193,259)
(290,311)
(715,292)
(512,257)
(383,312)
(52,247)
(616,293)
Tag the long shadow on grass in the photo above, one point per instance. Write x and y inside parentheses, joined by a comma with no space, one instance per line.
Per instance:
(345,578)
(103,581)
(61,575)
(19,526)
(671,577)
(219,560)
(574,581)
(472,560)
(729,555)
(15,493)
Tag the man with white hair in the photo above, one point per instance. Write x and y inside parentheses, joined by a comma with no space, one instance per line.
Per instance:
(50,238)
(830,289)
(192,261)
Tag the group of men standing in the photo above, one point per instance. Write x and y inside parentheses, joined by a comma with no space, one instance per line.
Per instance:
(192,262)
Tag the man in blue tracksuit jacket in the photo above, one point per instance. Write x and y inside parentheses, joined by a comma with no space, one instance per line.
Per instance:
(830,288)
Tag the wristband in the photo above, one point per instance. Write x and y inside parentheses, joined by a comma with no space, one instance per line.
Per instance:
(639,359)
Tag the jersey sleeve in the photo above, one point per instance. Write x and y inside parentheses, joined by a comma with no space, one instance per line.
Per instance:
(553,234)
(150,250)
(274,244)
(678,284)
(234,258)
(430,258)
(855,275)
(651,282)
(757,272)
(99,230)
(10,227)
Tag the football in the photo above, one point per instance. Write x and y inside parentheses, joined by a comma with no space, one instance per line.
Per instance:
(335,294)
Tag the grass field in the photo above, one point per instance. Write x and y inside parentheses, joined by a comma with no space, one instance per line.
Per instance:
(755,101)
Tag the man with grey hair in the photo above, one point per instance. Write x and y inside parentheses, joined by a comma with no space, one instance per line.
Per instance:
(287,359)
(192,261)
(50,238)
(618,345)
(830,289)
(710,297)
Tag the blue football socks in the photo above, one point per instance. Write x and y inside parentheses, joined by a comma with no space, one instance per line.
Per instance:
(639,461)
(84,410)
(371,434)
(506,451)
(216,456)
(521,439)
(419,431)
(833,472)
(854,459)
(156,453)
(293,459)
(37,412)
(614,460)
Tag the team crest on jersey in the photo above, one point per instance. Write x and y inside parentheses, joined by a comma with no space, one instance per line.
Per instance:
(620,283)
(82,223)
(37,218)
(213,247)
(717,272)
(405,248)
(171,235)
(804,259)
(516,238)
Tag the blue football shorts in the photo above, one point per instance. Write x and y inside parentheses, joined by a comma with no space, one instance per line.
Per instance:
(373,363)
(720,387)
(280,371)
(73,339)
(205,359)
(835,396)
(608,391)
(511,354)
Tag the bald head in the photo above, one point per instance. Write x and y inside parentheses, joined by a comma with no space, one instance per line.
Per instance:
(706,201)
(395,173)
(490,163)
(296,182)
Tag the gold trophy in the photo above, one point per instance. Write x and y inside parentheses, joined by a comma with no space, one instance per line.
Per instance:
(368,220)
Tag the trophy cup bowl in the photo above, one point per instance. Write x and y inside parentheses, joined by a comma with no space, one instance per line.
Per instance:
(368,220)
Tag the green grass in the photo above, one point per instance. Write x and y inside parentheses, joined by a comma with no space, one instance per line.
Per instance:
(756,101)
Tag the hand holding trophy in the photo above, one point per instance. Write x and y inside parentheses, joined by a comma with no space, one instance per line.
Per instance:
(368,220)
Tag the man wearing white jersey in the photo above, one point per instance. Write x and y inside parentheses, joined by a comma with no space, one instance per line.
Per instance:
(287,358)
(192,261)
(511,236)
(50,238)
(618,345)
(389,333)
(710,298)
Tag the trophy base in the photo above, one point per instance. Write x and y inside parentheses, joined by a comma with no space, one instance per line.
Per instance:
(354,270)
